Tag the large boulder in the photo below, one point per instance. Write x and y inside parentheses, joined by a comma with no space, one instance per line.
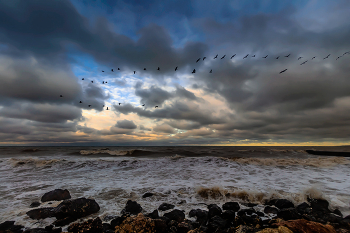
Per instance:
(319,205)
(304,226)
(67,211)
(288,214)
(132,207)
(8,226)
(281,203)
(234,206)
(89,226)
(270,210)
(214,210)
(201,215)
(176,215)
(56,195)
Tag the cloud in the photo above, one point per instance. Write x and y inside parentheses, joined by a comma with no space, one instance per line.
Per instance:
(164,128)
(125,124)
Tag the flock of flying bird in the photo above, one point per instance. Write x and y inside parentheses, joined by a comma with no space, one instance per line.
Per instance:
(211,71)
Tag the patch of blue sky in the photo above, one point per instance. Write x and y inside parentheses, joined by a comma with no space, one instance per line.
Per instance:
(3,47)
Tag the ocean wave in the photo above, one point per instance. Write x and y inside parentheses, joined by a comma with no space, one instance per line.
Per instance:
(107,151)
(32,161)
(314,162)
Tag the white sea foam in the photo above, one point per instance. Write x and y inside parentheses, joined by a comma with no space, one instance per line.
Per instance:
(106,151)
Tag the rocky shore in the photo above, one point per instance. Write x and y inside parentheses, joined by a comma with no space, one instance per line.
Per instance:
(276,215)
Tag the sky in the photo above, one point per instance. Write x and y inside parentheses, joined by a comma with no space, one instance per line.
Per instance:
(69,48)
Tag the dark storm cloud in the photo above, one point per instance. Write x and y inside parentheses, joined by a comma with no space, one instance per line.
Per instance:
(164,128)
(125,124)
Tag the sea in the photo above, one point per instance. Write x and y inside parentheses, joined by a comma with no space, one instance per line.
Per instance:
(187,177)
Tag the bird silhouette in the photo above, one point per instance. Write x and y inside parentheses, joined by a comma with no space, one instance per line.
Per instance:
(107,108)
(92,81)
(103,82)
(198,59)
(118,69)
(253,55)
(216,56)
(338,57)
(82,79)
(346,53)
(89,105)
(120,103)
(144,68)
(327,56)
(287,55)
(103,106)
(158,68)
(303,62)
(103,71)
(176,68)
(194,71)
(156,107)
(277,57)
(106,82)
(61,95)
(283,71)
(80,102)
(266,56)
(246,56)
(204,58)
(313,58)
(112,70)
(300,58)
(223,57)
(134,72)
(233,56)
(211,71)
(143,104)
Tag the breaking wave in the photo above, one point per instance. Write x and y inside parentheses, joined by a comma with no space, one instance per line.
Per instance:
(107,151)
(314,162)
(32,161)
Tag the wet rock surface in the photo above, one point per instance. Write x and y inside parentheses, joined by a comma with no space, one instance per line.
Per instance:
(56,195)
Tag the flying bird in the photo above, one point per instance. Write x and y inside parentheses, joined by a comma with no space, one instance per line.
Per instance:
(313,58)
(303,62)
(216,56)
(143,104)
(277,57)
(283,71)
(134,72)
(120,103)
(156,107)
(253,55)
(61,95)
(112,70)
(265,56)
(198,59)
(194,71)
(327,56)
(246,56)
(103,71)
(92,81)
(300,58)
(144,68)
(118,69)
(176,68)
(233,56)
(107,108)
(211,71)
(204,58)
(287,55)
(338,57)
(103,106)
(158,68)
(89,105)
(103,82)
(223,56)
(80,102)
(106,82)
(82,79)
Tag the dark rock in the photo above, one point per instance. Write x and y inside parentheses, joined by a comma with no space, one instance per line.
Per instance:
(41,213)
(107,228)
(184,227)
(281,203)
(214,210)
(260,214)
(36,230)
(132,207)
(319,205)
(166,206)
(270,210)
(234,206)
(176,215)
(160,225)
(76,208)
(90,226)
(333,218)
(9,227)
(337,212)
(147,195)
(347,217)
(249,204)
(303,207)
(35,204)
(288,214)
(247,220)
(109,218)
(64,221)
(56,195)
(118,220)
(49,228)
(201,215)
(216,224)
(153,215)
(228,215)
